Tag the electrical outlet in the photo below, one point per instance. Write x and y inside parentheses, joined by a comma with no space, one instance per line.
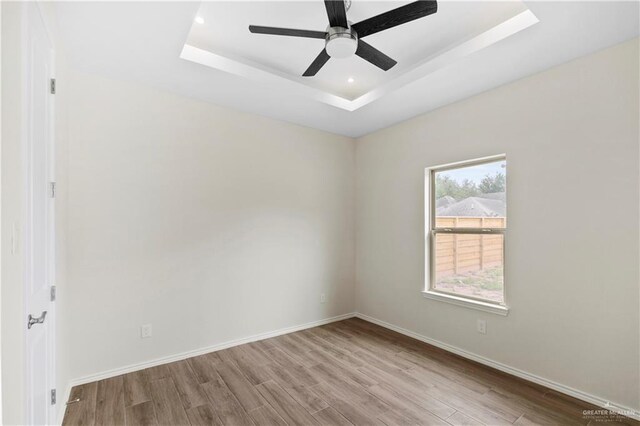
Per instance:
(145,331)
(323,298)
(482,326)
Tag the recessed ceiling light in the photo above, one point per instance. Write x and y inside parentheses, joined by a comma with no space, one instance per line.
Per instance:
(199,20)
(350,80)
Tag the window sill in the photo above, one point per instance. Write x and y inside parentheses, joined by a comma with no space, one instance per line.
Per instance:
(473,304)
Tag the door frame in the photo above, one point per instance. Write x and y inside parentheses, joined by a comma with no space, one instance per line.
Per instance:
(33,15)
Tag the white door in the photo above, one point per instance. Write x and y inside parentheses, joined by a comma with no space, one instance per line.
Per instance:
(39,272)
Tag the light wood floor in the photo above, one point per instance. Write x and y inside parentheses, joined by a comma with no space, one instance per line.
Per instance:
(349,372)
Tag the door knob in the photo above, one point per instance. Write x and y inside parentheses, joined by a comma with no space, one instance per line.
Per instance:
(36,320)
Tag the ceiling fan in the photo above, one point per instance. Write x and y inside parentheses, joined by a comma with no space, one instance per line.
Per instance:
(343,39)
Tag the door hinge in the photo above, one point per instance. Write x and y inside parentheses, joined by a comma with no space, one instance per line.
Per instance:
(53,397)
(53,293)
(53,86)
(53,189)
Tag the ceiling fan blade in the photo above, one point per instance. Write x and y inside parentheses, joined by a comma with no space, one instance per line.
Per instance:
(317,63)
(257,29)
(337,13)
(373,55)
(395,17)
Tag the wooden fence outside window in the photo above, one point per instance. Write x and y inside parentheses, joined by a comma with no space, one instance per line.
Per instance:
(466,253)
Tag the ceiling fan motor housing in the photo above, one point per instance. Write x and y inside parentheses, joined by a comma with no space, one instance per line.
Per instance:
(341,42)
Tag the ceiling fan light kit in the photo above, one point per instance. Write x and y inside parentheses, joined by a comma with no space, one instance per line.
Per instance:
(342,39)
(341,42)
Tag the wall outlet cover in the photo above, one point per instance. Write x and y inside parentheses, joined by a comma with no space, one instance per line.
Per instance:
(482,326)
(146,331)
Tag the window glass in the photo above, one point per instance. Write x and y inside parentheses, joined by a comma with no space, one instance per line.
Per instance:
(472,196)
(469,212)
(470,265)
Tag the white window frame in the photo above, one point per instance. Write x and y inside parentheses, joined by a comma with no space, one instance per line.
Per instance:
(430,292)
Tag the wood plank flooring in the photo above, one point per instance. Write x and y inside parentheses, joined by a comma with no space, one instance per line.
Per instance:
(346,373)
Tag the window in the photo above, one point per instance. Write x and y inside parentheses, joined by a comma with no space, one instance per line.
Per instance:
(467,221)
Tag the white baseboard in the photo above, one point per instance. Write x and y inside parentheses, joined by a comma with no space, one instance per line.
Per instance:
(184,355)
(600,402)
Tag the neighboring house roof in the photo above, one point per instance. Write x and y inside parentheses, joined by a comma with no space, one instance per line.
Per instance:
(495,196)
(445,201)
(476,207)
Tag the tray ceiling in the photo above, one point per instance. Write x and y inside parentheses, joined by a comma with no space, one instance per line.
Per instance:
(220,38)
(142,42)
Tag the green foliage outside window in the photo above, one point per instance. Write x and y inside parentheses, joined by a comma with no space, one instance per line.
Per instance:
(461,190)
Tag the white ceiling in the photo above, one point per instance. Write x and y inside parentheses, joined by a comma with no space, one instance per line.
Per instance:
(142,41)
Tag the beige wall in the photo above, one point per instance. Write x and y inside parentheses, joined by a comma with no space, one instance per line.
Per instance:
(571,139)
(210,224)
